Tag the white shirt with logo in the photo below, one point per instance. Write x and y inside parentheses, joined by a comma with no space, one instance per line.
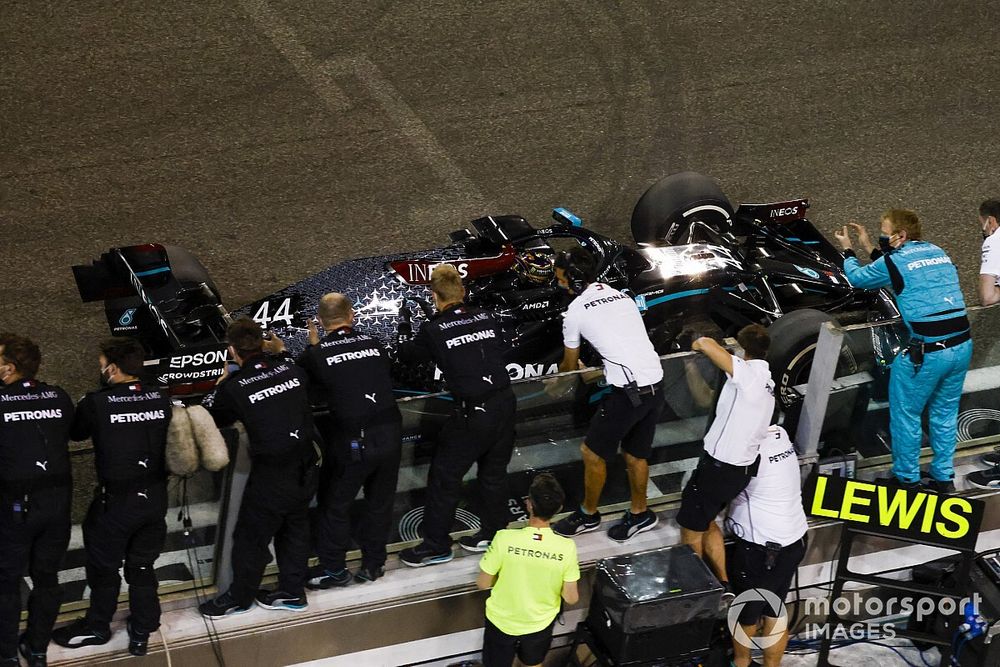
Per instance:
(610,321)
(742,414)
(770,508)
(991,257)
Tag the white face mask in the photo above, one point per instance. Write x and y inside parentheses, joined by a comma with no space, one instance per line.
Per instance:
(105,376)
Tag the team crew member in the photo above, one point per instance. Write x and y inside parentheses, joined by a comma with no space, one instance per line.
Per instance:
(127,421)
(769,527)
(989,270)
(531,570)
(465,343)
(731,456)
(611,323)
(268,394)
(35,496)
(931,371)
(364,441)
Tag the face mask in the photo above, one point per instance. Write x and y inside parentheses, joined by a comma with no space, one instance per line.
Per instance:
(5,372)
(105,378)
(884,245)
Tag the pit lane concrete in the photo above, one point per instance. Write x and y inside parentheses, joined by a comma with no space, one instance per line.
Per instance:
(274,137)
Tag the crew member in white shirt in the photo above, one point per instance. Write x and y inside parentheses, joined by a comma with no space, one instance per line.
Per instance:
(610,321)
(730,459)
(989,270)
(769,529)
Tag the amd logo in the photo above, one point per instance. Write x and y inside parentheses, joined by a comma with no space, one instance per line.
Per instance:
(198,359)
(782,212)
(538,305)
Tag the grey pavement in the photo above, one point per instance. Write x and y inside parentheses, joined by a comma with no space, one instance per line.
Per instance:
(273,138)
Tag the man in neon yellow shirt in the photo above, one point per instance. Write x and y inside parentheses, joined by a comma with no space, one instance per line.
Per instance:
(529,569)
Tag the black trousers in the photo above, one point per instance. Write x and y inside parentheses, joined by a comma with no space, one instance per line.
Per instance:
(275,506)
(482,434)
(35,542)
(130,528)
(376,472)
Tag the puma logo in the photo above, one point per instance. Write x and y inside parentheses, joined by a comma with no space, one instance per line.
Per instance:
(142,494)
(294,434)
(144,463)
(370,397)
(44,465)
(950,300)
(480,408)
(488,379)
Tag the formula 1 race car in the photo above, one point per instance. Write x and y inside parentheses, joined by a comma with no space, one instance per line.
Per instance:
(699,266)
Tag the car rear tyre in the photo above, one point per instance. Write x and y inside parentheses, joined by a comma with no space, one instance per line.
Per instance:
(793,346)
(666,210)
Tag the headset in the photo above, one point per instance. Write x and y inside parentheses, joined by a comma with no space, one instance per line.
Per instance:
(577,276)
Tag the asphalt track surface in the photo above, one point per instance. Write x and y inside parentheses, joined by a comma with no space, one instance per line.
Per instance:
(273,138)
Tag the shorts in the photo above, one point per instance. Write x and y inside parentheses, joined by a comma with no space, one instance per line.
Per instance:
(712,486)
(747,569)
(499,648)
(618,421)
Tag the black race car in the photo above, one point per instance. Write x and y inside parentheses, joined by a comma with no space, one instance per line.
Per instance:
(699,266)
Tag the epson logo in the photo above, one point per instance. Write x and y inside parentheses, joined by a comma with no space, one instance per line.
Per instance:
(198,359)
(782,212)
(535,306)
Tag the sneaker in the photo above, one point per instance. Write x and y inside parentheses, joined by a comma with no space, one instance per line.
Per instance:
(577,523)
(985,479)
(991,459)
(936,486)
(282,601)
(422,555)
(224,605)
(78,634)
(727,594)
(369,573)
(633,524)
(138,642)
(892,480)
(477,543)
(33,658)
(322,579)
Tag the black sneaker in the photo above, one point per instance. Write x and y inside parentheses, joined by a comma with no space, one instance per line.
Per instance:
(322,579)
(224,605)
(477,543)
(369,573)
(33,658)
(577,523)
(422,555)
(991,459)
(937,486)
(985,479)
(633,524)
(78,634)
(282,601)
(892,480)
(138,642)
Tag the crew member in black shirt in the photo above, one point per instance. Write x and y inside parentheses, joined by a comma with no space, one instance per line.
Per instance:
(35,497)
(352,371)
(465,343)
(127,421)
(268,394)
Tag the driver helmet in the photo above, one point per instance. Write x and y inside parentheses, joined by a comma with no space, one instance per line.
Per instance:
(534,267)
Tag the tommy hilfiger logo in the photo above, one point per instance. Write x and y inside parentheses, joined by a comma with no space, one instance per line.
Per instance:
(536,537)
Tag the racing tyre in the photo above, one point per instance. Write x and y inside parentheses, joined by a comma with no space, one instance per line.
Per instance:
(666,210)
(793,345)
